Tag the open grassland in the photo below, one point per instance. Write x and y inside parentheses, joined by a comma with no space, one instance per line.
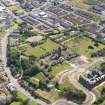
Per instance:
(22,98)
(46,47)
(21,95)
(51,96)
(19,103)
(78,3)
(38,77)
(83,4)
(66,84)
(99,88)
(82,45)
(72,93)
(59,68)
(103,103)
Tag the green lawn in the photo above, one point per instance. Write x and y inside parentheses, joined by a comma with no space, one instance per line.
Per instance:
(38,51)
(84,4)
(34,81)
(81,45)
(66,84)
(59,68)
(51,96)
(79,3)
(73,91)
(38,77)
(99,88)
(15,103)
(91,2)
(32,103)
(22,97)
(19,103)
(103,103)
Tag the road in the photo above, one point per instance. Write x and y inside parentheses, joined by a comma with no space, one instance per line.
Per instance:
(13,81)
(64,102)
(90,96)
(73,76)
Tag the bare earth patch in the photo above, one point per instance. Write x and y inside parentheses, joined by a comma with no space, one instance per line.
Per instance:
(34,39)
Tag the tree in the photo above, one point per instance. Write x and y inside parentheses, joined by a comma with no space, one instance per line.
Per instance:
(43,84)
(34,69)
(96,44)
(90,47)
(33,44)
(25,102)
(73,94)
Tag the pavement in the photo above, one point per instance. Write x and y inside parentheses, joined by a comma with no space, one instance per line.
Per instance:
(64,102)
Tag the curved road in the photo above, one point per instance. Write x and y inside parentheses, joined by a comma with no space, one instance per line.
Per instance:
(73,76)
(13,81)
(64,102)
(90,97)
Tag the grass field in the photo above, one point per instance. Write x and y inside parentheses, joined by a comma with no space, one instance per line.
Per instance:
(19,103)
(79,3)
(59,68)
(103,103)
(15,103)
(99,88)
(17,9)
(51,96)
(38,77)
(84,4)
(23,98)
(21,95)
(82,44)
(66,84)
(40,50)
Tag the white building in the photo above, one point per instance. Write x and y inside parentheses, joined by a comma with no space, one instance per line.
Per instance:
(103,16)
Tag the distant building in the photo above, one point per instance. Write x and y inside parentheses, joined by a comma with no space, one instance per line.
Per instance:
(2,8)
(102,17)
(90,83)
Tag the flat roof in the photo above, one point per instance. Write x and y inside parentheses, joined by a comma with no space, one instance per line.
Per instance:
(2,8)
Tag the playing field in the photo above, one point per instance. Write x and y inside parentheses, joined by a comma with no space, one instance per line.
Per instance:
(78,3)
(38,77)
(82,45)
(51,96)
(22,97)
(40,50)
(59,68)
(16,8)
